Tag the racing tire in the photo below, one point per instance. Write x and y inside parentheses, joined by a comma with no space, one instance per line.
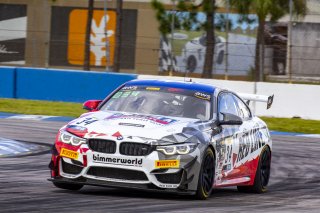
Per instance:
(220,57)
(73,187)
(262,174)
(191,63)
(206,175)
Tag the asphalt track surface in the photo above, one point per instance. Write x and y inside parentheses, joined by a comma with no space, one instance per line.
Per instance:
(294,185)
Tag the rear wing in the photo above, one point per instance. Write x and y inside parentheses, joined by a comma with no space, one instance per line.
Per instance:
(259,98)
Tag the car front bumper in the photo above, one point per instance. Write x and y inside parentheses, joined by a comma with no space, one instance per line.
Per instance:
(137,172)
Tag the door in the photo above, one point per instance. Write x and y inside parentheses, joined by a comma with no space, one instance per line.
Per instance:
(231,142)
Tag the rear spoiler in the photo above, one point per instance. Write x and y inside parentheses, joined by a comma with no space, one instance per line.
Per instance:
(259,98)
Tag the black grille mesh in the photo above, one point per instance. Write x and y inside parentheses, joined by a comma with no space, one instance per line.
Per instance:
(135,149)
(123,174)
(70,168)
(103,146)
(172,178)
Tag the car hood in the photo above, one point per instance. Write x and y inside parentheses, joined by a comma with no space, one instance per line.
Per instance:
(120,125)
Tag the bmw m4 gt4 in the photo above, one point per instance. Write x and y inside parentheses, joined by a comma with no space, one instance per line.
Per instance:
(167,136)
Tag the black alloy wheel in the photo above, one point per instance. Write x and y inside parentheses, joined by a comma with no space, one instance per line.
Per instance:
(206,176)
(265,168)
(262,174)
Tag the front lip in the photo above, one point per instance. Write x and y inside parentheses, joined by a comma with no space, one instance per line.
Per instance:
(141,187)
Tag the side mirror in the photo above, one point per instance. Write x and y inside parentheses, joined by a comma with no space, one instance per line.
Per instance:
(230,119)
(91,105)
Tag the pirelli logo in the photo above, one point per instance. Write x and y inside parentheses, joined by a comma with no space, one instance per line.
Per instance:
(69,154)
(163,164)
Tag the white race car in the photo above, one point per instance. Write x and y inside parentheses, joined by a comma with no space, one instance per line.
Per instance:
(194,52)
(165,136)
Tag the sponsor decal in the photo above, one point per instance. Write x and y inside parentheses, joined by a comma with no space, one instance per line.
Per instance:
(135,93)
(168,185)
(87,121)
(175,90)
(117,161)
(163,164)
(153,119)
(117,95)
(69,154)
(79,131)
(125,94)
(130,124)
(248,143)
(96,134)
(153,88)
(130,88)
(203,96)
(75,127)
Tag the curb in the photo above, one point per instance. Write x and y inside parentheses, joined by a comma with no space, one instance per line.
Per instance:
(13,148)
(35,117)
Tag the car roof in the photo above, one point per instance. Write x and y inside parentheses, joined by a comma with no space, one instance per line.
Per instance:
(176,84)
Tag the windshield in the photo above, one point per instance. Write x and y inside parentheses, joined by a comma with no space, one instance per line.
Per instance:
(161,101)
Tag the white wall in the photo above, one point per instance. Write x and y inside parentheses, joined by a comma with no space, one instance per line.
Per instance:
(290,100)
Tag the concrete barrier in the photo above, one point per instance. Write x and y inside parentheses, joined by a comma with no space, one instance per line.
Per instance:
(7,82)
(59,85)
(291,100)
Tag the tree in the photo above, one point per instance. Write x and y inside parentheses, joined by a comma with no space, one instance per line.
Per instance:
(208,7)
(86,64)
(275,9)
(117,52)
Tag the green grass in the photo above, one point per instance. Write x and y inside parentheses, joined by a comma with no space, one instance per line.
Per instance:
(75,109)
(41,107)
(293,125)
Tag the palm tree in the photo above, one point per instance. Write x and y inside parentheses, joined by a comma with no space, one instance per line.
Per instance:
(275,9)
(208,7)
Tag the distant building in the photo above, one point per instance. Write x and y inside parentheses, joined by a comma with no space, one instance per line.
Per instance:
(305,43)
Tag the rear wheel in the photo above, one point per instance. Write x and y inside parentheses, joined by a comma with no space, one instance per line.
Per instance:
(206,176)
(262,174)
(191,63)
(73,187)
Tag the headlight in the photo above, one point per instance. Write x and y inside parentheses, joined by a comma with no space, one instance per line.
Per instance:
(179,149)
(68,138)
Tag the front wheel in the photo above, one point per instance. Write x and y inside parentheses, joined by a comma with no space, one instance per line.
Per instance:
(206,175)
(220,57)
(262,174)
(73,187)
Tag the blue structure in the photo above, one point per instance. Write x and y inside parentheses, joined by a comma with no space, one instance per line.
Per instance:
(58,85)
